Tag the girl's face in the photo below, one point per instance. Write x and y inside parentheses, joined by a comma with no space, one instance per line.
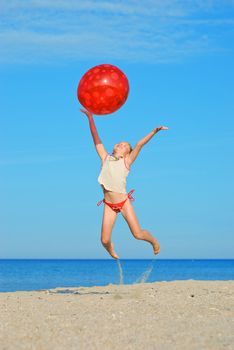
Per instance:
(122,148)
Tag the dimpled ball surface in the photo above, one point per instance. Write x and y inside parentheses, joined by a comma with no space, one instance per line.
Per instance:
(103,89)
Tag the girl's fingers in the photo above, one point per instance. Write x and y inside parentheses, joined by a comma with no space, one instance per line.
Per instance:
(83,111)
(89,114)
(162,128)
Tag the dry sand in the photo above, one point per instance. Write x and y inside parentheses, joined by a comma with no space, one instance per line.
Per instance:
(163,315)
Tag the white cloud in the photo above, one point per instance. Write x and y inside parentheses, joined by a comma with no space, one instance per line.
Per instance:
(135,31)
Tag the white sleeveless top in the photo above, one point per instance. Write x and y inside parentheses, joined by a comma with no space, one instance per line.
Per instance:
(113,174)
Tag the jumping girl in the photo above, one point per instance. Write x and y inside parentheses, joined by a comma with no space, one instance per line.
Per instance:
(112,178)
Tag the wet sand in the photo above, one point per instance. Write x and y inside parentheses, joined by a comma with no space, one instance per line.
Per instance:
(162,315)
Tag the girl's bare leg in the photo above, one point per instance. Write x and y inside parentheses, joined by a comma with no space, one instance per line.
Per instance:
(109,217)
(129,215)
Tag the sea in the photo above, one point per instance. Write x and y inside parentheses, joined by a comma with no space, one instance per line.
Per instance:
(41,274)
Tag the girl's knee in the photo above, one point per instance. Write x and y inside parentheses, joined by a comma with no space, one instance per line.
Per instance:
(105,241)
(138,234)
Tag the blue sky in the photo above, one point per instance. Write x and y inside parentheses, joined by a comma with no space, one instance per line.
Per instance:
(178,56)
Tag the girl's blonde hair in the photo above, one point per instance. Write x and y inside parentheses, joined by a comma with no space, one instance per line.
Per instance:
(129,147)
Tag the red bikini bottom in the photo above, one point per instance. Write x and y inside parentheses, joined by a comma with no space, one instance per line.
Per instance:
(117,206)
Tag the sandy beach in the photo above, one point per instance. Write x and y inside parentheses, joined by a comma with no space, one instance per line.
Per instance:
(161,315)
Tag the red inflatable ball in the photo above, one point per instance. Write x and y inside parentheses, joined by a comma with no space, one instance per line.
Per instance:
(103,89)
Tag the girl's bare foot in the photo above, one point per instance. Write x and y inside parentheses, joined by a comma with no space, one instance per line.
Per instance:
(110,249)
(156,246)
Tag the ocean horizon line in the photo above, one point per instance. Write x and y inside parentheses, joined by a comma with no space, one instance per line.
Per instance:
(124,259)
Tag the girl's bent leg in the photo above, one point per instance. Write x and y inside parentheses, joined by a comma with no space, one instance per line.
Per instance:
(109,217)
(129,215)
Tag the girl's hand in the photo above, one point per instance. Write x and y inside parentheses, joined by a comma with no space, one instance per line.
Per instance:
(89,114)
(160,128)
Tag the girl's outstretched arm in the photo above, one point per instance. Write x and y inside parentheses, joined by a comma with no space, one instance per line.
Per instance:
(96,139)
(132,156)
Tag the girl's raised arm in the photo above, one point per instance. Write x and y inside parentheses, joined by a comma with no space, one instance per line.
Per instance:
(132,156)
(96,139)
